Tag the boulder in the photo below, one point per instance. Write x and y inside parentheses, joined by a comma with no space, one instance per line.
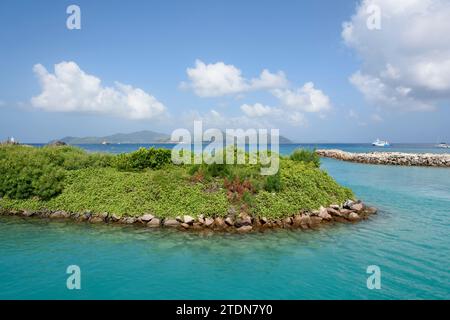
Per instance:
(209,222)
(146,217)
(218,222)
(244,229)
(335,206)
(245,219)
(114,218)
(96,219)
(357,207)
(297,220)
(353,216)
(323,213)
(370,210)
(185,225)
(171,223)
(287,222)
(128,220)
(348,203)
(345,212)
(59,215)
(154,223)
(188,219)
(315,221)
(27,213)
(334,212)
(229,221)
(201,219)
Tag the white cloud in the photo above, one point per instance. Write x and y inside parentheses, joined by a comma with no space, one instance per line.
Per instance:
(306,98)
(70,89)
(257,110)
(406,64)
(219,79)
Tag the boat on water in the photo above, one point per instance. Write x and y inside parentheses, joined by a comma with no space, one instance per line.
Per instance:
(381,143)
(443,145)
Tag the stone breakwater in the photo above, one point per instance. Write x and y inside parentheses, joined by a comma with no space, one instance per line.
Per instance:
(349,211)
(389,158)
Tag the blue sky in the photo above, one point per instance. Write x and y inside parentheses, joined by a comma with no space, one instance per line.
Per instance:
(323,81)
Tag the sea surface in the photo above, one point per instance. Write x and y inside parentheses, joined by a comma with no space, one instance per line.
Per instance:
(409,240)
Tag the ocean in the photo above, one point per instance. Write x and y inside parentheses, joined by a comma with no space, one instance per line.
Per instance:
(409,240)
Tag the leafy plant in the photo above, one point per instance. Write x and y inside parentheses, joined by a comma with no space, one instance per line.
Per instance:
(306,156)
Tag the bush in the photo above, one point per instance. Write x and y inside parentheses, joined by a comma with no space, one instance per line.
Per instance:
(25,176)
(273,183)
(306,156)
(142,159)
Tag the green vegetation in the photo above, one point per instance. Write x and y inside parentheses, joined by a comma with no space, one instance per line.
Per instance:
(306,156)
(146,181)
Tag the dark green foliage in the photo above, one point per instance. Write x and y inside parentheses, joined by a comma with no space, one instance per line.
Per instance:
(306,156)
(143,159)
(28,175)
(273,183)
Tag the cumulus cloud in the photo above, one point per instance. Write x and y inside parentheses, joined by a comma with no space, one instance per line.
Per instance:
(220,79)
(70,89)
(258,110)
(405,64)
(306,98)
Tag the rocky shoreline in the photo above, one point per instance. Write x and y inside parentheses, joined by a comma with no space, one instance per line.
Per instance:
(389,158)
(349,211)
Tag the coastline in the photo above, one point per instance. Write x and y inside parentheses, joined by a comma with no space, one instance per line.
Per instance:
(389,158)
(348,212)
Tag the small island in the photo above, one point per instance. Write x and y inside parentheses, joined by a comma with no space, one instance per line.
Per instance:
(144,188)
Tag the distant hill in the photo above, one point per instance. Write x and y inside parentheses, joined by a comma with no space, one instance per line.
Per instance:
(135,137)
(140,137)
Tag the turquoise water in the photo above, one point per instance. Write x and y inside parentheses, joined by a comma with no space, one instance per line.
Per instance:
(409,240)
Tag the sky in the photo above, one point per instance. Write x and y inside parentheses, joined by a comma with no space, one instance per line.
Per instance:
(320,71)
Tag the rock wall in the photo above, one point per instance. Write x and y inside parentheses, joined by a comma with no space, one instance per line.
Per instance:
(389,158)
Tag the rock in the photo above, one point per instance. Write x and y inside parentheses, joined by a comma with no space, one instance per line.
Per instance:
(59,215)
(297,220)
(263,220)
(185,225)
(27,213)
(154,223)
(114,218)
(287,221)
(333,212)
(245,219)
(315,221)
(179,219)
(96,219)
(188,219)
(229,221)
(357,207)
(218,222)
(353,216)
(335,206)
(305,221)
(146,217)
(348,203)
(244,229)
(201,219)
(345,212)
(128,220)
(323,213)
(171,223)
(209,222)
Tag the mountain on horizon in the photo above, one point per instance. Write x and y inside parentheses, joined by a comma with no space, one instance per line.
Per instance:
(139,137)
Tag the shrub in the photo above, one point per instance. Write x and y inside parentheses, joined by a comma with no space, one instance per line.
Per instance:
(306,156)
(273,183)
(142,159)
(31,175)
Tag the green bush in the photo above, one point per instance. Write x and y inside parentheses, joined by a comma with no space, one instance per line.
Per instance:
(273,183)
(25,176)
(306,156)
(142,159)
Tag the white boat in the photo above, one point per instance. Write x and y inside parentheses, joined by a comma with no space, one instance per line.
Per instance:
(443,145)
(380,143)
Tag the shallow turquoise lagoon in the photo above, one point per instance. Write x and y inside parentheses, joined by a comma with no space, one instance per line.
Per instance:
(409,240)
